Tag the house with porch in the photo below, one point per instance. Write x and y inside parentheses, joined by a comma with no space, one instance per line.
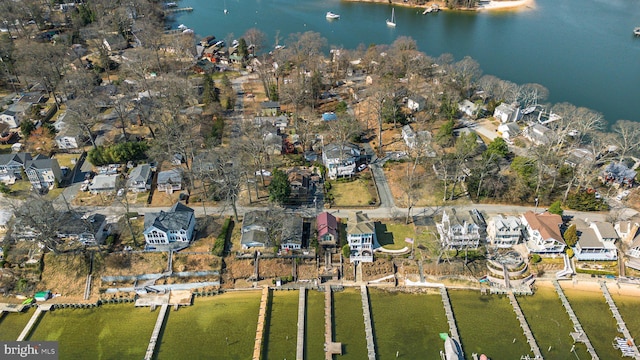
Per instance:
(542,233)
(269,108)
(633,251)
(505,232)
(458,230)
(254,229)
(43,172)
(88,230)
(340,159)
(170,180)
(140,178)
(291,238)
(509,131)
(327,227)
(13,164)
(596,241)
(174,227)
(361,237)
(468,108)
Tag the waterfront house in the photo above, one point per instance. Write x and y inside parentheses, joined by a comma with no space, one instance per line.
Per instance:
(43,172)
(340,159)
(507,113)
(579,156)
(505,232)
(140,178)
(170,180)
(361,237)
(291,238)
(596,241)
(626,230)
(542,232)
(633,251)
(617,173)
(254,229)
(458,230)
(538,134)
(327,226)
(173,227)
(88,230)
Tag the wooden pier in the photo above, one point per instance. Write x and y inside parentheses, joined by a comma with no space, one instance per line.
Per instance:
(330,347)
(453,329)
(175,10)
(368,329)
(525,327)
(34,318)
(579,335)
(622,326)
(162,315)
(257,348)
(302,303)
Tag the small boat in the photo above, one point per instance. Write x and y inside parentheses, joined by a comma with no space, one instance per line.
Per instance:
(427,10)
(226,11)
(182,27)
(452,350)
(332,16)
(636,31)
(171,4)
(187,31)
(392,22)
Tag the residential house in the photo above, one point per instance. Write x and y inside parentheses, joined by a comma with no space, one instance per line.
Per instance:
(538,134)
(13,163)
(542,232)
(170,180)
(280,122)
(269,108)
(67,138)
(505,232)
(416,102)
(88,230)
(14,114)
(579,156)
(302,182)
(254,229)
(420,140)
(596,241)
(291,238)
(626,230)
(618,174)
(173,227)
(458,230)
(509,131)
(114,42)
(327,226)
(361,237)
(140,178)
(103,183)
(507,113)
(634,253)
(468,108)
(340,159)
(5,217)
(43,172)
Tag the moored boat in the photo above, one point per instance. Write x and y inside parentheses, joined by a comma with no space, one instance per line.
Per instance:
(332,16)
(636,31)
(392,22)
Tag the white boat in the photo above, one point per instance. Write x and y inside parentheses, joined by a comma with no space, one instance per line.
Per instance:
(427,10)
(636,31)
(392,22)
(182,27)
(332,16)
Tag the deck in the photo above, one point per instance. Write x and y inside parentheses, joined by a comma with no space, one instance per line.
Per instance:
(162,315)
(330,347)
(525,327)
(302,303)
(453,328)
(257,348)
(578,335)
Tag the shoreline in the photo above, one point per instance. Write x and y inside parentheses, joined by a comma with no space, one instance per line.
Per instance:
(509,5)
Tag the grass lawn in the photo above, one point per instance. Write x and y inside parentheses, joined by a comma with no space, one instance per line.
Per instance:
(11,324)
(105,332)
(220,327)
(21,189)
(53,194)
(353,193)
(392,236)
(5,148)
(314,334)
(86,198)
(67,160)
(348,324)
(281,331)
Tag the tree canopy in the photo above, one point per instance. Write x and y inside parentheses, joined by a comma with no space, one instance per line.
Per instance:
(279,188)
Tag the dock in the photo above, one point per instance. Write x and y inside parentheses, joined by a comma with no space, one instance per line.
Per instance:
(622,326)
(257,348)
(162,315)
(453,328)
(34,318)
(302,303)
(578,335)
(368,329)
(175,10)
(525,327)
(330,347)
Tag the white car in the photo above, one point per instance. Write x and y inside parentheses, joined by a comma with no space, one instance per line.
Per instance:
(362,167)
(263,172)
(623,195)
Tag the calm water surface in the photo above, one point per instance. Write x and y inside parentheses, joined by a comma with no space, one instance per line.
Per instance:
(582,51)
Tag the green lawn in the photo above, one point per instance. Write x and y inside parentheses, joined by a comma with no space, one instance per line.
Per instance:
(314,332)
(66,160)
(5,148)
(353,193)
(392,236)
(281,334)
(21,189)
(348,324)
(11,324)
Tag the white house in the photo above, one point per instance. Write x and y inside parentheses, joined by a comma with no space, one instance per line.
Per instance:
(170,180)
(505,232)
(14,114)
(340,159)
(13,163)
(420,139)
(416,102)
(542,232)
(468,108)
(361,237)
(66,137)
(103,183)
(507,113)
(458,230)
(175,226)
(291,238)
(596,241)
(538,134)
(509,131)
(140,178)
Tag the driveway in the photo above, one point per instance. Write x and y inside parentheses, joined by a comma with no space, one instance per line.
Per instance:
(386,198)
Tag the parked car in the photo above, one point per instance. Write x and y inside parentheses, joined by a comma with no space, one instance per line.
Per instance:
(362,167)
(263,172)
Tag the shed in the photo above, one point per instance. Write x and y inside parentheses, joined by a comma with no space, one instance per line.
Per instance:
(43,295)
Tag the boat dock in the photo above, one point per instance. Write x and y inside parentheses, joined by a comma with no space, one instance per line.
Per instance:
(257,348)
(34,318)
(175,10)
(525,327)
(622,326)
(330,347)
(453,329)
(368,329)
(579,335)
(302,303)
(162,315)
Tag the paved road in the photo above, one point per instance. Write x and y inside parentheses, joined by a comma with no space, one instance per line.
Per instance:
(386,199)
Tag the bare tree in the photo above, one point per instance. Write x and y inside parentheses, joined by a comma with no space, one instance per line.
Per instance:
(628,137)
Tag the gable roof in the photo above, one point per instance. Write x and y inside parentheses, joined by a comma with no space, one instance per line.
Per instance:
(606,230)
(140,173)
(291,230)
(173,176)
(178,217)
(40,162)
(326,223)
(360,224)
(547,224)
(20,158)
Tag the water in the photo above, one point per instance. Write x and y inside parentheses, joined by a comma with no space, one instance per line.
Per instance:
(583,52)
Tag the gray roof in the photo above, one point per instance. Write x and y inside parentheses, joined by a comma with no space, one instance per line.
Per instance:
(104,182)
(360,224)
(292,230)
(589,239)
(341,151)
(21,158)
(606,230)
(173,176)
(73,224)
(140,173)
(40,162)
(178,217)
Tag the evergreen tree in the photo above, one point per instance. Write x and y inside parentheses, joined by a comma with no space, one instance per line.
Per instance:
(210,94)
(556,208)
(279,189)
(571,235)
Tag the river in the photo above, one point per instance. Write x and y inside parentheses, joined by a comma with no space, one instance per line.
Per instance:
(583,52)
